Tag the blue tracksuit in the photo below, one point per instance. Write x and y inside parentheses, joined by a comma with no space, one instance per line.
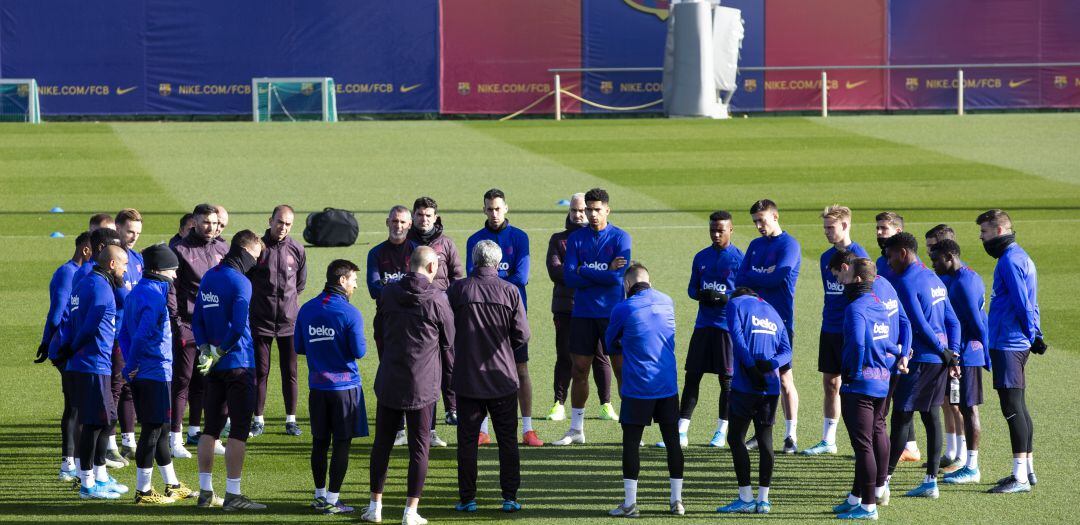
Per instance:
(330,332)
(832,312)
(713,269)
(387,263)
(934,326)
(869,352)
(770,268)
(1014,304)
(757,334)
(883,269)
(514,243)
(83,271)
(59,296)
(899,324)
(91,330)
(134,269)
(146,337)
(966,291)
(585,269)
(220,317)
(642,329)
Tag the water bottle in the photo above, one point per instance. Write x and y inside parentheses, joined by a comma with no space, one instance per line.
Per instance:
(954,391)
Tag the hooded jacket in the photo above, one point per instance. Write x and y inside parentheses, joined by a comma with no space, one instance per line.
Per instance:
(277,280)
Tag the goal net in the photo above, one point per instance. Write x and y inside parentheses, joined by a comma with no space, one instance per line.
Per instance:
(293,99)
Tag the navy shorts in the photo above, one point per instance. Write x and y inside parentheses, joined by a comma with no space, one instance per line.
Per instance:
(153,401)
(971,389)
(521,354)
(1008,368)
(759,408)
(338,413)
(94,399)
(710,352)
(230,394)
(922,388)
(636,411)
(586,333)
(830,352)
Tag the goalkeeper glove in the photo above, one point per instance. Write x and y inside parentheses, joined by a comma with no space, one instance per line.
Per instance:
(208,357)
(42,353)
(1038,346)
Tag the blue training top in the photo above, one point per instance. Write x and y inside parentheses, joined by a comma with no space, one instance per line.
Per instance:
(757,334)
(1014,303)
(869,351)
(713,269)
(91,331)
(771,268)
(588,255)
(642,329)
(514,242)
(330,332)
(220,317)
(146,336)
(934,326)
(832,311)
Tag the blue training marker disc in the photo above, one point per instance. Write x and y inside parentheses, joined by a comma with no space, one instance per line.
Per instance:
(56,209)
(564,202)
(56,235)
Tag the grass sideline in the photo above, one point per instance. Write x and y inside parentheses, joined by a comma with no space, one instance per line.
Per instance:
(664,176)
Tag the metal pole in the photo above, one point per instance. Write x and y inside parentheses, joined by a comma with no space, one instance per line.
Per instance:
(824,94)
(558,97)
(960,92)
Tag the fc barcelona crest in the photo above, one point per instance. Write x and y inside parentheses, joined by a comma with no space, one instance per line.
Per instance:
(660,8)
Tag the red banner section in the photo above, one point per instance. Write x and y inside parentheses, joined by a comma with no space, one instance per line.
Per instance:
(825,32)
(495,55)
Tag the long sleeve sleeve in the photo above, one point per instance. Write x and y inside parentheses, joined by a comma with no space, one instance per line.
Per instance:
(570,268)
(855,343)
(357,343)
(240,310)
(613,333)
(59,291)
(299,343)
(374,276)
(1014,281)
(787,263)
(301,272)
(198,322)
(695,280)
(519,329)
(554,261)
(952,329)
(519,274)
(610,277)
(783,352)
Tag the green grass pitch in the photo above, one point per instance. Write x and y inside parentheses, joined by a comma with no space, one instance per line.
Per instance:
(664,177)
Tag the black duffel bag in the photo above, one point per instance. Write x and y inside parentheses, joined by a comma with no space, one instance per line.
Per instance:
(331,227)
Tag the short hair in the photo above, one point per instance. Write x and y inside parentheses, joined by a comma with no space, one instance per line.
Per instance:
(486,253)
(763,205)
(494,193)
(185,218)
(282,207)
(422,256)
(836,212)
(425,202)
(127,215)
(635,270)
(109,254)
(995,217)
(102,238)
(83,238)
(245,239)
(743,290)
(719,215)
(597,194)
(864,269)
(397,209)
(940,232)
(840,258)
(204,210)
(903,240)
(946,247)
(100,220)
(338,268)
(893,218)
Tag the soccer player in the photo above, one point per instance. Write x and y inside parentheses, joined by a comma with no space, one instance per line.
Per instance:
(330,333)
(101,220)
(223,221)
(416,324)
(147,337)
(936,234)
(87,347)
(129,226)
(187,222)
(836,221)
(220,329)
(955,442)
(771,268)
(761,347)
(276,284)
(866,363)
(489,323)
(562,304)
(966,293)
(594,267)
(1015,331)
(712,279)
(197,252)
(60,288)
(514,269)
(427,230)
(936,346)
(641,341)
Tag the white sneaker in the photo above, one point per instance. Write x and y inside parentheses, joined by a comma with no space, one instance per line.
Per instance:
(413,519)
(400,438)
(572,436)
(371,515)
(219,449)
(437,441)
(179,452)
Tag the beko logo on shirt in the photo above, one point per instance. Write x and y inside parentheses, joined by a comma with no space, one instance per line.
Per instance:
(320,333)
(939,294)
(892,306)
(881,331)
(74,302)
(719,287)
(763,269)
(393,277)
(209,299)
(766,326)
(596,266)
(833,288)
(504,267)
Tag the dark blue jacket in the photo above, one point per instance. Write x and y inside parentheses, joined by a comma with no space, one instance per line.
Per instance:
(220,318)
(757,334)
(934,326)
(770,268)
(642,330)
(387,263)
(1014,303)
(91,331)
(588,256)
(59,297)
(330,332)
(869,351)
(713,269)
(514,242)
(832,311)
(899,324)
(966,292)
(146,336)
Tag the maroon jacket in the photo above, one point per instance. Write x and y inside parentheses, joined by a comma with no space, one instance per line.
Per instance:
(450,268)
(562,296)
(196,256)
(491,323)
(415,324)
(277,280)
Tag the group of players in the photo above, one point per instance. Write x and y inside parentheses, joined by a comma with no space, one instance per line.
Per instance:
(139,336)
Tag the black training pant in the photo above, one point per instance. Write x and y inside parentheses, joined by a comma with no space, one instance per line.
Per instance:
(691,390)
(504,418)
(864,417)
(153,445)
(901,423)
(386,421)
(631,450)
(736,437)
(1021,429)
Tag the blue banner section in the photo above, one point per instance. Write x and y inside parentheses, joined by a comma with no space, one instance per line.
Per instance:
(162,56)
